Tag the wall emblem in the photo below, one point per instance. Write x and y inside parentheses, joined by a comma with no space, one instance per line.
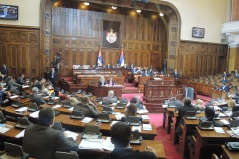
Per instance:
(111,36)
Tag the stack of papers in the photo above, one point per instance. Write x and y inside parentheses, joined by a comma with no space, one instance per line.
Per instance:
(119,116)
(224,121)
(136,128)
(221,115)
(147,127)
(146,117)
(34,114)
(96,144)
(70,134)
(3,128)
(71,109)
(86,120)
(107,145)
(142,111)
(26,86)
(219,130)
(113,122)
(16,96)
(164,106)
(56,106)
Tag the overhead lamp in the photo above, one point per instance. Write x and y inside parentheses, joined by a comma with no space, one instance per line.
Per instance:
(113,7)
(138,11)
(161,14)
(86,3)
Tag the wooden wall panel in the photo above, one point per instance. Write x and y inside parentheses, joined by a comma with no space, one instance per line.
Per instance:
(198,59)
(19,50)
(235,10)
(80,33)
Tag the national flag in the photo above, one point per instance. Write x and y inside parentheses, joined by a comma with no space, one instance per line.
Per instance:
(121,59)
(100,59)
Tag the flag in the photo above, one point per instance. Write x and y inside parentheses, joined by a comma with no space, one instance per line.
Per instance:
(121,59)
(100,59)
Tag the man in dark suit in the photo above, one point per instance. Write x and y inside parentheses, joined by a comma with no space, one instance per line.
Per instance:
(41,141)
(37,98)
(176,74)
(53,76)
(122,144)
(182,112)
(12,86)
(225,88)
(108,66)
(20,79)
(2,101)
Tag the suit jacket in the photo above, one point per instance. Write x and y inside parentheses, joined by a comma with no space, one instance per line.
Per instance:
(54,75)
(176,75)
(37,99)
(225,88)
(41,142)
(110,99)
(11,86)
(100,83)
(4,71)
(113,82)
(128,153)
(87,110)
(20,81)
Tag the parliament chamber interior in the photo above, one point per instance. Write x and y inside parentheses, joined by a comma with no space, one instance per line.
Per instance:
(119,79)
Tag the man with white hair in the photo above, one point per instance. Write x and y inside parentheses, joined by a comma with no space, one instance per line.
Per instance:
(37,98)
(111,97)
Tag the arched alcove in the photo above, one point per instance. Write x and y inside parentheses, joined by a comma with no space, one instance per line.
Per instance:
(173,35)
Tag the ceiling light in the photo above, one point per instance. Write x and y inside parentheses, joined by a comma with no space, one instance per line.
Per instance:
(86,3)
(161,14)
(138,11)
(113,7)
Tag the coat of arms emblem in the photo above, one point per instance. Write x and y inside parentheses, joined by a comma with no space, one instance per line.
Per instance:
(111,36)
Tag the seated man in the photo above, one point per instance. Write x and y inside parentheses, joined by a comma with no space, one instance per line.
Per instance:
(37,98)
(20,79)
(42,142)
(111,82)
(87,107)
(176,74)
(225,88)
(111,97)
(137,102)
(122,144)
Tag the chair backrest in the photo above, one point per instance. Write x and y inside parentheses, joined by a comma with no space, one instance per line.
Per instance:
(133,119)
(64,155)
(13,149)
(58,126)
(190,113)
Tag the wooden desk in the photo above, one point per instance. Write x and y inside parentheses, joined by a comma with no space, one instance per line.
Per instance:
(12,132)
(210,138)
(12,111)
(226,154)
(102,91)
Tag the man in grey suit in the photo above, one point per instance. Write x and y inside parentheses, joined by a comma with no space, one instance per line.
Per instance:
(41,141)
(111,97)
(20,79)
(37,98)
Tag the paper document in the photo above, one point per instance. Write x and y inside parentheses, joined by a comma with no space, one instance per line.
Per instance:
(146,117)
(71,109)
(70,134)
(26,86)
(92,144)
(16,96)
(21,134)
(107,145)
(86,120)
(113,122)
(142,111)
(119,116)
(34,114)
(3,128)
(56,106)
(147,127)
(219,130)
(22,109)
(224,121)
(164,106)
(135,128)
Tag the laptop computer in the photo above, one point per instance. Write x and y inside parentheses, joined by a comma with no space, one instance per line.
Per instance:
(191,115)
(66,104)
(104,118)
(91,132)
(134,120)
(13,151)
(107,110)
(120,106)
(105,104)
(33,107)
(77,115)
(51,101)
(206,125)
(22,122)
(16,104)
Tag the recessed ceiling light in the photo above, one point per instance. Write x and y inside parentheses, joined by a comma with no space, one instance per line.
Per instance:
(161,14)
(86,3)
(113,7)
(138,11)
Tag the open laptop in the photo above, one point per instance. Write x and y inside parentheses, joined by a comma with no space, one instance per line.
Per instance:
(133,120)
(104,118)
(91,132)
(77,115)
(206,125)
(22,123)
(16,104)
(120,106)
(33,107)
(191,115)
(13,151)
(66,104)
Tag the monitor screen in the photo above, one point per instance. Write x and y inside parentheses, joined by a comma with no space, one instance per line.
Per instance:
(8,12)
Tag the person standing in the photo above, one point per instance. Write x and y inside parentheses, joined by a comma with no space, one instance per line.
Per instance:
(53,76)
(4,70)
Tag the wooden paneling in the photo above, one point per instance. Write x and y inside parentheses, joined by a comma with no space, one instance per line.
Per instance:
(196,59)
(235,10)
(19,50)
(78,33)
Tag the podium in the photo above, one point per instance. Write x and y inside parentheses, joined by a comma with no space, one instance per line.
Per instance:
(102,91)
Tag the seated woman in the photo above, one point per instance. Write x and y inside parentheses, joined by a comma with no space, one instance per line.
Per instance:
(102,81)
(111,97)
(136,101)
(111,82)
(131,111)
(87,107)
(199,105)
